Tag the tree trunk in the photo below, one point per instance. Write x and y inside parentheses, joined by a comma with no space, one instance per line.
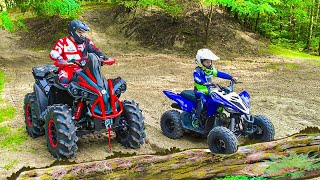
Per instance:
(292,23)
(281,23)
(257,21)
(250,160)
(310,28)
(209,19)
(316,23)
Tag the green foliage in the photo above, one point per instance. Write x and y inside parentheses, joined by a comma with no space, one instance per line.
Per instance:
(11,164)
(294,165)
(64,8)
(240,178)
(7,113)
(4,130)
(7,23)
(172,7)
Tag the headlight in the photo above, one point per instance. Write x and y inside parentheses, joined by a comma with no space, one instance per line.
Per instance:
(230,110)
(123,87)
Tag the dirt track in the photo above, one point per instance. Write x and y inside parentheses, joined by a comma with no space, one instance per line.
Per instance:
(289,97)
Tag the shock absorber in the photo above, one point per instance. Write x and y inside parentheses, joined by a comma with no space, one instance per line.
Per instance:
(77,114)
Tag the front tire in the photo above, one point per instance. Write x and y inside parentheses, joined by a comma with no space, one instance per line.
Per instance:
(265,131)
(132,134)
(171,125)
(33,125)
(60,132)
(222,141)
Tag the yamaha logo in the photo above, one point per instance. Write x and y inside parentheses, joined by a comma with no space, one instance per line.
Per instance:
(103,91)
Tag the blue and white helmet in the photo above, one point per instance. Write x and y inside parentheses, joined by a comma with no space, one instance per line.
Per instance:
(77,25)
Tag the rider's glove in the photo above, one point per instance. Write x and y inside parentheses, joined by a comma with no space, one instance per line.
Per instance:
(109,61)
(234,79)
(103,57)
(61,61)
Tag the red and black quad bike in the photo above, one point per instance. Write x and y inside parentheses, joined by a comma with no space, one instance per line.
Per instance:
(90,103)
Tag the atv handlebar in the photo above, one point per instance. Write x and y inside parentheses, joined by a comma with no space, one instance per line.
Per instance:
(226,89)
(73,63)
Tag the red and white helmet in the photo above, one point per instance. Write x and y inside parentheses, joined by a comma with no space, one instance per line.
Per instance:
(205,54)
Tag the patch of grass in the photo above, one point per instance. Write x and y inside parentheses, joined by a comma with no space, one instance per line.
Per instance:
(240,178)
(9,137)
(273,67)
(290,66)
(1,81)
(7,113)
(276,50)
(4,130)
(14,138)
(11,164)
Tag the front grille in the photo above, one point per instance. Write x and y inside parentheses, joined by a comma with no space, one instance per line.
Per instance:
(238,105)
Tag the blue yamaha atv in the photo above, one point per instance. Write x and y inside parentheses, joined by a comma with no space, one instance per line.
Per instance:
(90,103)
(225,117)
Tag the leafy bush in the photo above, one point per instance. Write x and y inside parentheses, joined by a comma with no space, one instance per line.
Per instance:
(7,23)
(172,8)
(64,8)
(294,165)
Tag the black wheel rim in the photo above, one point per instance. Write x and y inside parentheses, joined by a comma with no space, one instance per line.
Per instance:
(220,145)
(124,128)
(259,132)
(169,125)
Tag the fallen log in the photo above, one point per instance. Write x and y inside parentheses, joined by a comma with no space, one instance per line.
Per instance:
(250,160)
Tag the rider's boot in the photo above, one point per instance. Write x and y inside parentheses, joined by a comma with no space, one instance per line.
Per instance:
(195,121)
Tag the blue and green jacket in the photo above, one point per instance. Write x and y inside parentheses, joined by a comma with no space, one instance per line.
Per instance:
(200,78)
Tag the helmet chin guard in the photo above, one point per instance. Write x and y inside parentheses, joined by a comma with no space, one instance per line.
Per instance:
(77,25)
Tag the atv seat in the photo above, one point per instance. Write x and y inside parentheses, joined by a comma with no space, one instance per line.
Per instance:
(189,94)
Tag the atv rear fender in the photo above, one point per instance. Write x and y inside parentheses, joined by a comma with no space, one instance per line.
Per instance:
(185,104)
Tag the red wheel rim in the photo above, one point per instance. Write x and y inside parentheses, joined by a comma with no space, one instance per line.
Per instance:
(52,134)
(28,115)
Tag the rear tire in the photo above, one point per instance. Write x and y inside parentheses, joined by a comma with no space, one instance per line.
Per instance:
(171,125)
(33,125)
(222,141)
(265,129)
(132,134)
(60,132)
